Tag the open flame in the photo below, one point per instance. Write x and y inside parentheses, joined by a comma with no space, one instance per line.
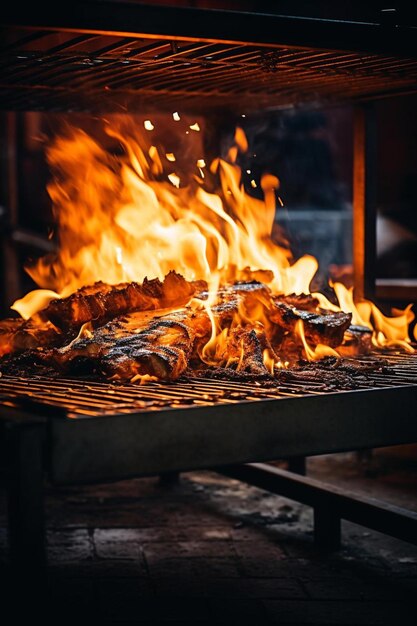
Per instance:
(125,215)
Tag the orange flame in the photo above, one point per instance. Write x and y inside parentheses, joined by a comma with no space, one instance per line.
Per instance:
(387,331)
(122,216)
(316,353)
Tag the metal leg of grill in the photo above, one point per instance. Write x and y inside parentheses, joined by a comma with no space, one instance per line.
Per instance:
(297,464)
(331,504)
(26,520)
(327,530)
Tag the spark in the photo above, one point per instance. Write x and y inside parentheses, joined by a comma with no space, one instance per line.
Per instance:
(176,116)
(175,179)
(148,125)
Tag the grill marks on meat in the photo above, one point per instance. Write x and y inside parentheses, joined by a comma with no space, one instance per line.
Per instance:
(100,302)
(138,344)
(162,349)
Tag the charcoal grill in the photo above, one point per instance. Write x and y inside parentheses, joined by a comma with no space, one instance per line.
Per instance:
(125,56)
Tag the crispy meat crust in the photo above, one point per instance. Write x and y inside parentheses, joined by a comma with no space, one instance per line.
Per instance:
(157,344)
(328,329)
(100,302)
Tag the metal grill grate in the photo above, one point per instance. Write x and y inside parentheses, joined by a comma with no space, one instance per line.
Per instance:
(76,398)
(61,71)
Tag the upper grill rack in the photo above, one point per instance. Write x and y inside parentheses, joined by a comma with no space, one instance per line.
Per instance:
(54,70)
(73,398)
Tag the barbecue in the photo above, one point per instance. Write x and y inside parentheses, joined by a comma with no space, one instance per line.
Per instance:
(171,328)
(209,318)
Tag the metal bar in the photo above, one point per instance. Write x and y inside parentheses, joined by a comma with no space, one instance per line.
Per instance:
(327,529)
(364,209)
(131,19)
(26,523)
(331,503)
(11,276)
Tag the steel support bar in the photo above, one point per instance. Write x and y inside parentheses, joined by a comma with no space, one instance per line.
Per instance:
(24,481)
(330,503)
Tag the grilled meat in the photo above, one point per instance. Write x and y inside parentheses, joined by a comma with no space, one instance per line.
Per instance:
(357,340)
(243,351)
(158,344)
(17,335)
(100,302)
(303,301)
(327,329)
(131,330)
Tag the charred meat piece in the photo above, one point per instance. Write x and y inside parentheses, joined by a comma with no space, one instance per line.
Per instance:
(100,302)
(17,335)
(244,350)
(162,350)
(138,344)
(357,340)
(302,301)
(328,329)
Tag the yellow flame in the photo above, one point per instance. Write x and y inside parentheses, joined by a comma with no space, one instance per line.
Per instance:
(33,302)
(388,332)
(175,179)
(316,353)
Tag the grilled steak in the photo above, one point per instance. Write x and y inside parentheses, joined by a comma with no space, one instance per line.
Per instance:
(100,302)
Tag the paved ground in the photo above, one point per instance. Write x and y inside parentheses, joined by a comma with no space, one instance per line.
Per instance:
(213,551)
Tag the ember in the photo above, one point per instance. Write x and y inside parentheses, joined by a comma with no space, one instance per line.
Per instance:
(153,278)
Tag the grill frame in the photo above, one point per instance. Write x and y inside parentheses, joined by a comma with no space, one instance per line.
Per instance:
(222,437)
(203,60)
(38,439)
(124,440)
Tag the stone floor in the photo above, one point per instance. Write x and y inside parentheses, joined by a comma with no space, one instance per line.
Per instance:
(213,551)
